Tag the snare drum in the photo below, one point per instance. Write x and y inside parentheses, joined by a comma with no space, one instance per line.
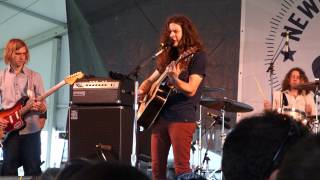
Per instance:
(296,114)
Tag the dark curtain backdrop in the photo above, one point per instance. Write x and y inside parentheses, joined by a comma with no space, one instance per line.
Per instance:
(119,35)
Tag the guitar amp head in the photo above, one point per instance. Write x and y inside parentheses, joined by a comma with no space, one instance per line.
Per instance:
(103,91)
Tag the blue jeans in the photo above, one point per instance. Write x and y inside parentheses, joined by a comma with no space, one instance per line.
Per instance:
(22,150)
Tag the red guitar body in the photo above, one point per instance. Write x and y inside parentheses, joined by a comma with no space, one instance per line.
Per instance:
(13,116)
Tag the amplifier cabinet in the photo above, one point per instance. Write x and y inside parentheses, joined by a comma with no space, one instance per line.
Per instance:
(110,126)
(102,91)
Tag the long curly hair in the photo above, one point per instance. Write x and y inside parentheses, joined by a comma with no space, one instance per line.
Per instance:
(190,38)
(12,46)
(303,79)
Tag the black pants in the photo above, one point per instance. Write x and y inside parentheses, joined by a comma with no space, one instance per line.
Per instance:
(22,150)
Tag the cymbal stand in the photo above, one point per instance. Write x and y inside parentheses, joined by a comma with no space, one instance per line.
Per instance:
(199,143)
(316,123)
(223,134)
(223,137)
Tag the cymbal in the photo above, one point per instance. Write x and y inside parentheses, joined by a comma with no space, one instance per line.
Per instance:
(308,86)
(212,89)
(226,104)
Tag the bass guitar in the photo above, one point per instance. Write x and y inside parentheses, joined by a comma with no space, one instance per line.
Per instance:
(158,94)
(14,115)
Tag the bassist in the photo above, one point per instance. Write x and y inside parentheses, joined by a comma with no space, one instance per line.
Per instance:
(21,148)
(176,122)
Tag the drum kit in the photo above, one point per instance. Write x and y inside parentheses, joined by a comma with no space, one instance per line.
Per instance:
(222,105)
(312,121)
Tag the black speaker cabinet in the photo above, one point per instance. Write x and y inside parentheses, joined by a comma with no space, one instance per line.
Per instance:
(96,128)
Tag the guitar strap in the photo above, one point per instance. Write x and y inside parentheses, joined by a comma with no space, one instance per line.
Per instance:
(30,84)
(31,91)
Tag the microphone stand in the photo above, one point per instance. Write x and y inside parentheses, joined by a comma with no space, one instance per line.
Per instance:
(317,99)
(135,73)
(270,69)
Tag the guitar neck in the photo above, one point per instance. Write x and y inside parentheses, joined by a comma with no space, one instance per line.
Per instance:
(28,106)
(163,76)
(51,91)
(165,73)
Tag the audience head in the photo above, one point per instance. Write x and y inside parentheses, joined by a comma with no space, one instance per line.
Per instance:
(73,167)
(302,162)
(256,146)
(109,170)
(50,174)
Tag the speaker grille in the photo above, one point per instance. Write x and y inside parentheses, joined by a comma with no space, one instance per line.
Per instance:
(107,125)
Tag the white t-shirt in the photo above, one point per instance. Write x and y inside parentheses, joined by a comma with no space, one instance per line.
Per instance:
(294,103)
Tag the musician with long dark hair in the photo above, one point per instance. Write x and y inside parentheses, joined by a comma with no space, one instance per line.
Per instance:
(21,147)
(293,99)
(175,124)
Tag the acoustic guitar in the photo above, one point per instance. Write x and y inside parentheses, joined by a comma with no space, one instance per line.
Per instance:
(158,94)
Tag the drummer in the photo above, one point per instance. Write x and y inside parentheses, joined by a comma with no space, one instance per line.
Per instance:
(291,97)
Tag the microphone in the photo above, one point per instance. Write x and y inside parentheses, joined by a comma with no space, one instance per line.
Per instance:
(286,51)
(212,115)
(163,46)
(218,119)
(286,44)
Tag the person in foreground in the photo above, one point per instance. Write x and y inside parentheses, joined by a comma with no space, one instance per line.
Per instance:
(302,162)
(255,148)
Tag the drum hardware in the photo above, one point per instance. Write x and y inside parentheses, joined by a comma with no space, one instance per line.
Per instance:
(311,124)
(199,166)
(313,117)
(218,120)
(312,86)
(212,89)
(203,166)
(317,99)
(296,114)
(225,104)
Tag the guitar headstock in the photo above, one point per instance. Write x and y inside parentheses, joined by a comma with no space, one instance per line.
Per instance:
(73,77)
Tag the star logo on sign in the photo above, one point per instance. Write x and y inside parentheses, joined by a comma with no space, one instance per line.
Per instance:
(288,55)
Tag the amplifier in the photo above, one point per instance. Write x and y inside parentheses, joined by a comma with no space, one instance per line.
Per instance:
(103,91)
(110,126)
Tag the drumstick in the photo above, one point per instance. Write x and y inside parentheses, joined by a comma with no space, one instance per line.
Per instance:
(259,88)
